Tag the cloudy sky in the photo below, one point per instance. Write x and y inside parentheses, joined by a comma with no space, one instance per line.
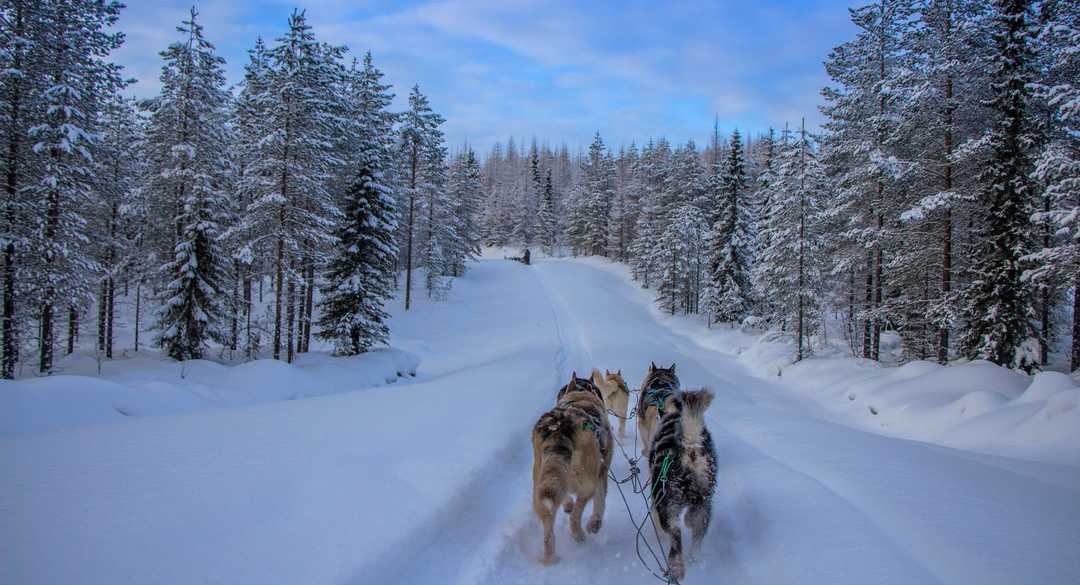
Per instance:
(557,71)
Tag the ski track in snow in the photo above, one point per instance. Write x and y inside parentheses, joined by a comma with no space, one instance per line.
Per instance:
(443,495)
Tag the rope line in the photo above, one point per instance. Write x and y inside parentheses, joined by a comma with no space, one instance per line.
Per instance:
(637,487)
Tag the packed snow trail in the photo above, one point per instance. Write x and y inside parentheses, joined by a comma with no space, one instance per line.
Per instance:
(430,482)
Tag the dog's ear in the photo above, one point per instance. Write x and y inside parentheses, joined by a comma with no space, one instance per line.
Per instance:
(652,367)
(573,381)
(619,373)
(672,368)
(607,372)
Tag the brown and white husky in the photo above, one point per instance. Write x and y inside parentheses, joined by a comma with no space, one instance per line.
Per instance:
(658,387)
(616,394)
(572,449)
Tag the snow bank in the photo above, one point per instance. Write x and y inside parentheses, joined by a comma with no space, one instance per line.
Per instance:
(150,386)
(976,406)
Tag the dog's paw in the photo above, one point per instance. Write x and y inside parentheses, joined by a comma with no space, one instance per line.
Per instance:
(549,560)
(568,506)
(676,570)
(578,535)
(594,525)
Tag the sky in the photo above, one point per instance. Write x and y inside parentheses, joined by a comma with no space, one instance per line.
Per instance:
(555,71)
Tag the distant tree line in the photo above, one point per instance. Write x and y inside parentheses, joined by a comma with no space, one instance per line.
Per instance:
(941,199)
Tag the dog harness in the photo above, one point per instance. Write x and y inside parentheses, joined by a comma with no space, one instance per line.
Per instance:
(657,396)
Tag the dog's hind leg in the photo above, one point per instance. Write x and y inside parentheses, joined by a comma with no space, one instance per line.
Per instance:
(697,520)
(669,523)
(547,518)
(598,505)
(575,518)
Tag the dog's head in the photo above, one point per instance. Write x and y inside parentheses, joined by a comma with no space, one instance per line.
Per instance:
(617,378)
(658,377)
(580,385)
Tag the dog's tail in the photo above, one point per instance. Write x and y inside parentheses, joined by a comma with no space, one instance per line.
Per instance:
(694,403)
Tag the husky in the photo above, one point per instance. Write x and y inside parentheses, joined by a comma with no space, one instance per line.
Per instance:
(659,385)
(572,449)
(616,394)
(682,465)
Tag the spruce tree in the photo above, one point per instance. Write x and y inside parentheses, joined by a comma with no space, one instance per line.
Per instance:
(362,267)
(729,243)
(998,302)
(77,81)
(187,120)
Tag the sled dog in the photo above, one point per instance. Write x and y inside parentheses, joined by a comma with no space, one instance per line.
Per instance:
(616,394)
(572,449)
(657,389)
(682,465)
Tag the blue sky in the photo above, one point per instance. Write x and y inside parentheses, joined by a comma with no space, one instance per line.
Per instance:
(558,71)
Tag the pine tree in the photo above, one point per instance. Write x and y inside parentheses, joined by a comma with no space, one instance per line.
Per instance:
(466,190)
(788,271)
(729,243)
(861,146)
(75,39)
(362,268)
(546,217)
(1057,166)
(187,120)
(292,205)
(117,170)
(22,84)
(422,161)
(680,255)
(998,303)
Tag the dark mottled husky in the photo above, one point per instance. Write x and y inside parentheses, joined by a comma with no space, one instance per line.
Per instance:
(682,465)
(572,448)
(659,385)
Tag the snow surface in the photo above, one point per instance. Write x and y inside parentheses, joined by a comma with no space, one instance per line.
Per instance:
(427,480)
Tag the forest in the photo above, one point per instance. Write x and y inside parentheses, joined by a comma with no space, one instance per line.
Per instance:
(938,201)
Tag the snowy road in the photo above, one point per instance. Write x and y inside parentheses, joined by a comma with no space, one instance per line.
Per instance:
(429,482)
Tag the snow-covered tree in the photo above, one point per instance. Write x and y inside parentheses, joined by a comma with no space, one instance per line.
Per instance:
(362,267)
(681,258)
(75,38)
(422,162)
(1057,166)
(466,192)
(187,121)
(998,302)
(292,207)
(789,266)
(728,284)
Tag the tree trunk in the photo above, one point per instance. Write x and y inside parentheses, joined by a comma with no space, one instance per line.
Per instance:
(409,227)
(73,329)
(1074,363)
(291,308)
(866,351)
(52,222)
(278,275)
(310,302)
(11,187)
(109,317)
(247,312)
(103,296)
(234,330)
(138,307)
(946,227)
